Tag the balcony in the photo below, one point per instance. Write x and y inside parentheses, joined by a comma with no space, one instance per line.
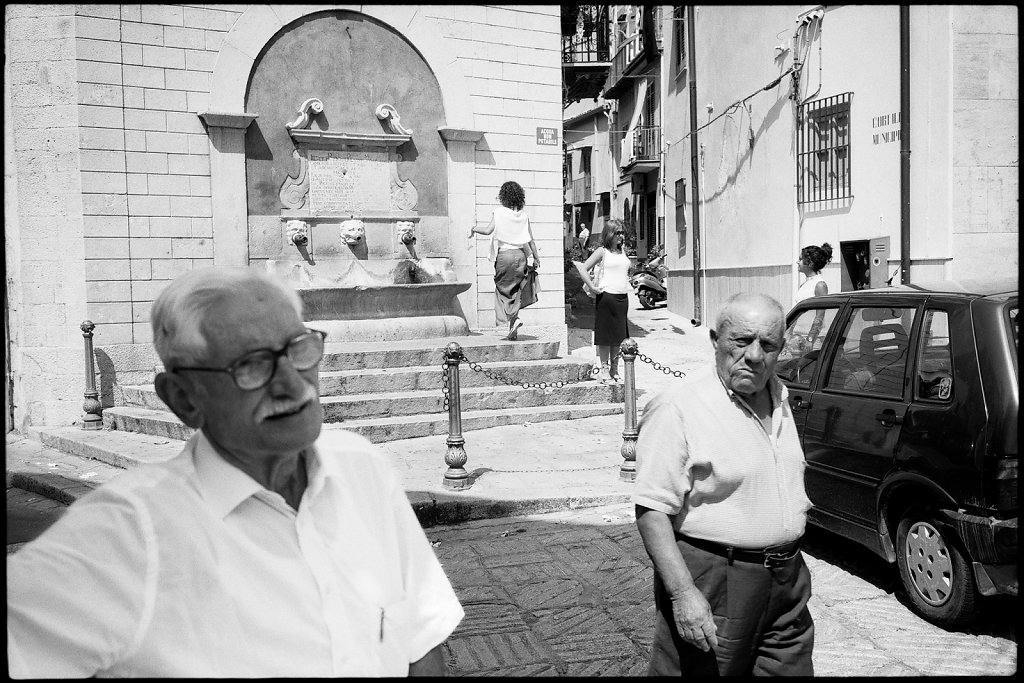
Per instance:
(635,53)
(582,190)
(585,51)
(641,150)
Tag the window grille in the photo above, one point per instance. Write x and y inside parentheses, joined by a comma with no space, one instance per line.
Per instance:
(823,170)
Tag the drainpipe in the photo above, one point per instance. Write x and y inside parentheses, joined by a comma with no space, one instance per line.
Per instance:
(905,144)
(698,304)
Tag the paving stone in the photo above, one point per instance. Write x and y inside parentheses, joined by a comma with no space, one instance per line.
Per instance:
(629,586)
(574,620)
(550,593)
(467,577)
(526,670)
(535,571)
(584,647)
(597,556)
(629,666)
(516,559)
(474,654)
(489,619)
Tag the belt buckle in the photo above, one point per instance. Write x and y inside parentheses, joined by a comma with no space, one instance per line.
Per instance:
(776,560)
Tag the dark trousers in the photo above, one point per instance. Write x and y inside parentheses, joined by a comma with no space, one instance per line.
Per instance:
(763,625)
(509,274)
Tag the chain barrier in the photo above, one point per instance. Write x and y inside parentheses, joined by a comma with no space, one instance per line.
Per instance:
(658,366)
(444,385)
(547,471)
(476,367)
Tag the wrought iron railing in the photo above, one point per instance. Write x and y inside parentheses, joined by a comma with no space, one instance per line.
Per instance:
(589,42)
(646,143)
(631,48)
(625,55)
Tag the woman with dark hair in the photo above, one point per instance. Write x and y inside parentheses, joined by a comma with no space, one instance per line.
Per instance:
(612,302)
(510,236)
(812,260)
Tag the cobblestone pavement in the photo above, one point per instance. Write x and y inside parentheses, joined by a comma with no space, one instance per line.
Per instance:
(570,594)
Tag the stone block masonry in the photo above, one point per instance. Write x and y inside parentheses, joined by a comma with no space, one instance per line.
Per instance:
(141,67)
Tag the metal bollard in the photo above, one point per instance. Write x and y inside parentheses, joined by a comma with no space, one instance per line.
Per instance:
(92,420)
(627,471)
(456,477)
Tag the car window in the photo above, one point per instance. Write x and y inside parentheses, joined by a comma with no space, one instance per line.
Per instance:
(804,338)
(934,375)
(872,353)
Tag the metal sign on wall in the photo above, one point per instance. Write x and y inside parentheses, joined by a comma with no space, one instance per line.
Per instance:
(547,136)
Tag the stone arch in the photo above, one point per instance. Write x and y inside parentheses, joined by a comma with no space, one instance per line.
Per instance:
(226,122)
(258,24)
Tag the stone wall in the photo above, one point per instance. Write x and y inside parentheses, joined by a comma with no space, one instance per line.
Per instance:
(43,221)
(986,140)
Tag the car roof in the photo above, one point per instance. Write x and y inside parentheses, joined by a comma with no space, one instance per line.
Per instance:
(969,287)
(977,286)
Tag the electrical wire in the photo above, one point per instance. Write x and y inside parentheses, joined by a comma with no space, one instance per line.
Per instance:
(735,105)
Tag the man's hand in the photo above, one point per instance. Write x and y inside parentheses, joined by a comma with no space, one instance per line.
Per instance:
(694,620)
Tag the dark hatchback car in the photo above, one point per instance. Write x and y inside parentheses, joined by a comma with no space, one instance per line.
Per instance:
(906,402)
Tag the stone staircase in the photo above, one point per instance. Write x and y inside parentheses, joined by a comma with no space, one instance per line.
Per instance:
(382,390)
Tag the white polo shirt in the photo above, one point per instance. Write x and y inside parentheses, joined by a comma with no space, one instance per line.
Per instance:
(190,568)
(704,459)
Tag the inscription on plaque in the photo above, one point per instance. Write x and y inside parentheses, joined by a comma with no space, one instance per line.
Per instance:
(349,182)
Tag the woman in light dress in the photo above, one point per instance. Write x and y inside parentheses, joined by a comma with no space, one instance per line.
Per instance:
(612,301)
(511,238)
(812,260)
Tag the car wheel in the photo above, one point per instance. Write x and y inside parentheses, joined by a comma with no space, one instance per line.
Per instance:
(936,575)
(646,299)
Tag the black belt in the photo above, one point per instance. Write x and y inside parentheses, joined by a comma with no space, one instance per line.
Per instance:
(771,557)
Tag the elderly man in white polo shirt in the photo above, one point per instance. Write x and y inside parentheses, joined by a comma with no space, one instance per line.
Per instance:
(266,548)
(721,507)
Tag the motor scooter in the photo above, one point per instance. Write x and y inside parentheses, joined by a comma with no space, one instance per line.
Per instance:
(649,281)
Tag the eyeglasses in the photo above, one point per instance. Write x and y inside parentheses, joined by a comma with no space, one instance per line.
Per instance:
(620,232)
(256,368)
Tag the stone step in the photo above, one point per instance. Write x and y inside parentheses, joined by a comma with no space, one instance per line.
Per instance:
(68,462)
(379,430)
(162,424)
(383,404)
(418,352)
(346,382)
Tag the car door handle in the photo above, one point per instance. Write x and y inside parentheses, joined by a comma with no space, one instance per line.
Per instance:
(889,418)
(800,404)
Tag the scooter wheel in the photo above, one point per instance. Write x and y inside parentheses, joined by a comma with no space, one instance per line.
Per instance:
(646,299)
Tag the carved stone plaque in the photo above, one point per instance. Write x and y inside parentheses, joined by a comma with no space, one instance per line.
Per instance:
(349,182)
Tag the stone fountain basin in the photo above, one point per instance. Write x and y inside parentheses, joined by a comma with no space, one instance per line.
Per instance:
(374,290)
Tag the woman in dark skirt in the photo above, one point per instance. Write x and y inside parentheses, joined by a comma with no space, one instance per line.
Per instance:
(611,282)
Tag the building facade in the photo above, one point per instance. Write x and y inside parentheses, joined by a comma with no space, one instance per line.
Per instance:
(890,133)
(146,140)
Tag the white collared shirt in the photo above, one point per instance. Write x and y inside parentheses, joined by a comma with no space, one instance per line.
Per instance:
(705,459)
(190,568)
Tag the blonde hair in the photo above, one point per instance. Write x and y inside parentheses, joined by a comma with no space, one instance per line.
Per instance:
(181,308)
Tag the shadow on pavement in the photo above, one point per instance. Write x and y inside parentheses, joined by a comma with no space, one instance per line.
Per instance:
(997,615)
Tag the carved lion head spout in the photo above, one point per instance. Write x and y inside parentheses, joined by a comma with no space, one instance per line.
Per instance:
(406,231)
(352,231)
(298,232)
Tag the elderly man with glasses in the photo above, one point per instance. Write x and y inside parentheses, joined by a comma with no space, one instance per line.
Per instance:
(268,547)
